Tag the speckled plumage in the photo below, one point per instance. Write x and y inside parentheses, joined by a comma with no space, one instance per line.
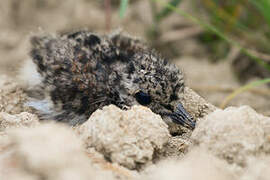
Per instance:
(83,71)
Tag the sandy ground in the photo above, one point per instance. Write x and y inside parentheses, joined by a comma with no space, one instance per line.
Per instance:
(229,144)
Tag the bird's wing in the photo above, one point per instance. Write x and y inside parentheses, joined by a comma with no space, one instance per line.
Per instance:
(74,70)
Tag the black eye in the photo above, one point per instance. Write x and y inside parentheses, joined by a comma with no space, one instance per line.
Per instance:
(143,98)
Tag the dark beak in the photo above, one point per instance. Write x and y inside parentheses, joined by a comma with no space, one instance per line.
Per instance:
(181,116)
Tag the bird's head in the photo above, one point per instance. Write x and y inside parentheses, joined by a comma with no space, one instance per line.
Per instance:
(149,80)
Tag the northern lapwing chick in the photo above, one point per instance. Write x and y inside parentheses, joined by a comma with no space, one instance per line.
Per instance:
(83,71)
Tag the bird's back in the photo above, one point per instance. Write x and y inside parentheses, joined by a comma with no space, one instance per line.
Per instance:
(76,69)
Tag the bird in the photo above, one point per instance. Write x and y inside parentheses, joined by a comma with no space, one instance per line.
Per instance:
(83,71)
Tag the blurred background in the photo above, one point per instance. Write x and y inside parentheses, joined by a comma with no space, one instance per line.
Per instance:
(222,46)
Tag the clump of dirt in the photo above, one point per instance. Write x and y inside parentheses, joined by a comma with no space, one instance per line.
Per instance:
(12,97)
(23,119)
(196,165)
(258,168)
(234,134)
(136,127)
(48,151)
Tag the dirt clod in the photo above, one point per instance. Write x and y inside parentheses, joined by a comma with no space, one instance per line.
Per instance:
(234,134)
(129,138)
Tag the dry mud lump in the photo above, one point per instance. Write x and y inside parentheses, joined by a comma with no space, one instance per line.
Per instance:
(23,119)
(128,138)
(234,134)
(258,169)
(196,165)
(48,151)
(12,97)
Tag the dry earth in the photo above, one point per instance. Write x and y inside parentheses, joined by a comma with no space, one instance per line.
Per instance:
(226,144)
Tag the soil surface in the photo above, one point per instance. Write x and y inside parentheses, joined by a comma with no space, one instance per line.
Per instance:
(174,153)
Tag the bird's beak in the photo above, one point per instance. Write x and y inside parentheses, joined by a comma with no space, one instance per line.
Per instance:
(181,116)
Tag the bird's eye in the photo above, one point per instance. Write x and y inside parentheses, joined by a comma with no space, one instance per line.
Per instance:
(143,98)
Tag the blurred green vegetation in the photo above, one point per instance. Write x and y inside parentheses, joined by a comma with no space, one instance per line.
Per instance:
(227,23)
(247,21)
(244,24)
